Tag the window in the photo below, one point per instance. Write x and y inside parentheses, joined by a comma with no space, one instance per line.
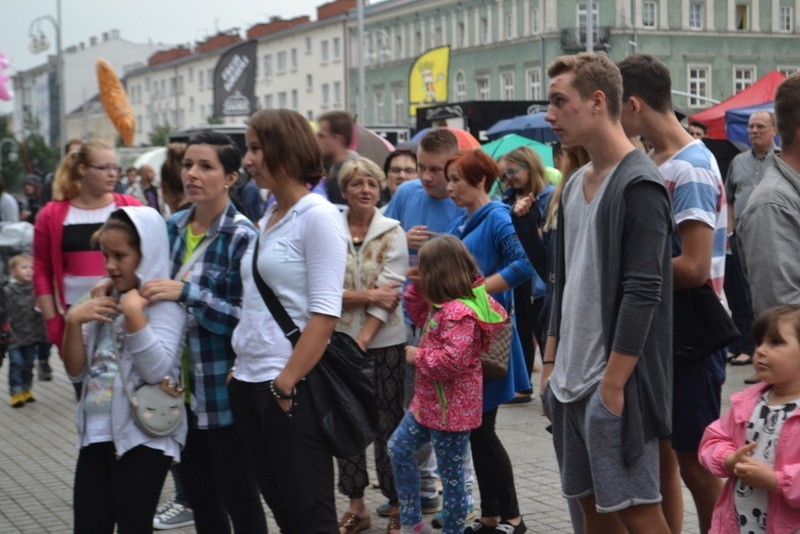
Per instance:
(164,86)
(533,86)
(281,67)
(293,59)
(742,20)
(507,86)
(210,78)
(326,95)
(695,16)
(398,45)
(295,99)
(180,85)
(202,113)
(191,103)
(191,74)
(323,51)
(533,19)
(398,106)
(173,86)
(268,66)
(418,41)
(437,37)
(268,101)
(788,71)
(336,49)
(461,35)
(309,83)
(582,14)
(649,15)
(484,29)
(786,19)
(282,100)
(308,45)
(509,24)
(482,88)
(461,87)
(699,82)
(743,77)
(337,94)
(380,108)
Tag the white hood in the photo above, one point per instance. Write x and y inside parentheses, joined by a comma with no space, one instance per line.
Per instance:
(152,231)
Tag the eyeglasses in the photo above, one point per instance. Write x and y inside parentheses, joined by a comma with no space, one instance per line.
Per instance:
(107,168)
(407,170)
(513,171)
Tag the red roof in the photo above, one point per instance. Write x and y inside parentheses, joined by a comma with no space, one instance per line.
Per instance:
(760,92)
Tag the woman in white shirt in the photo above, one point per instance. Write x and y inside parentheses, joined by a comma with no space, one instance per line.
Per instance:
(302,249)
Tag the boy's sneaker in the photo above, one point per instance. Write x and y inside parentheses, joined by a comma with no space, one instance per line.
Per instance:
(173,515)
(27,396)
(507,528)
(18,400)
(438,519)
(44,371)
(429,505)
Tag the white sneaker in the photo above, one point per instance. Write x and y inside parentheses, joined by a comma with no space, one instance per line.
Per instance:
(173,515)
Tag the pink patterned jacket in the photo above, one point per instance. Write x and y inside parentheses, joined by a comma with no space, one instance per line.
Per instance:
(448,391)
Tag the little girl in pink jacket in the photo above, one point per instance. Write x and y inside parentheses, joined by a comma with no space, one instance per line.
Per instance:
(448,299)
(756,444)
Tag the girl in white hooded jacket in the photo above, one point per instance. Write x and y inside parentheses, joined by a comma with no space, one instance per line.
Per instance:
(121,469)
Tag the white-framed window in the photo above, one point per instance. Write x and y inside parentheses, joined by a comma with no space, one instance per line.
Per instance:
(533,84)
(507,86)
(461,34)
(202,114)
(581,14)
(309,83)
(788,70)
(295,99)
(309,47)
(398,106)
(336,49)
(743,77)
(461,87)
(482,90)
(268,101)
(742,18)
(398,44)
(323,51)
(699,84)
(696,16)
(326,95)
(534,18)
(280,68)
(310,115)
(164,86)
(436,36)
(293,59)
(191,103)
(337,94)
(191,74)
(380,108)
(508,20)
(267,66)
(786,19)
(485,30)
(180,85)
(420,46)
(210,78)
(649,14)
(282,100)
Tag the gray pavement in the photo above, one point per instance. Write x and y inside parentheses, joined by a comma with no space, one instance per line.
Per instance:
(37,446)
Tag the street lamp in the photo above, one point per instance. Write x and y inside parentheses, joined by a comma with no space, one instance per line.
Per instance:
(39,43)
(12,156)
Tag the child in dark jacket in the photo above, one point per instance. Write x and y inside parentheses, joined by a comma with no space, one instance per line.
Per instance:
(28,333)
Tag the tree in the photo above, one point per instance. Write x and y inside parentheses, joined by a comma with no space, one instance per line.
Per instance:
(158,137)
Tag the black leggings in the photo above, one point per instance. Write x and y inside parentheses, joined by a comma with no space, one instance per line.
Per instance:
(493,470)
(122,491)
(218,480)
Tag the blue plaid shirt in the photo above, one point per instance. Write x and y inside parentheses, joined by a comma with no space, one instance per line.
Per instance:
(212,295)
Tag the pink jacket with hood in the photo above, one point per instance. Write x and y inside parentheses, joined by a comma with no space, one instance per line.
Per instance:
(724,436)
(448,391)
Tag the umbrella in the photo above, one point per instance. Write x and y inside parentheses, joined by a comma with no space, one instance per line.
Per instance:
(724,151)
(531,126)
(507,143)
(465,139)
(370,145)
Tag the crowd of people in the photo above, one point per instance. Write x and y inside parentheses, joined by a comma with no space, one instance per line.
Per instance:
(423,259)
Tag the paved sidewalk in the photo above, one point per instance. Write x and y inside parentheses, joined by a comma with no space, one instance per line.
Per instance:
(37,444)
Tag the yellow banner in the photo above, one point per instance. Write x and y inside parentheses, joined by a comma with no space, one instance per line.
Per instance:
(427,80)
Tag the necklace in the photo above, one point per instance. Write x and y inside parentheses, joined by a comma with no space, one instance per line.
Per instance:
(357,240)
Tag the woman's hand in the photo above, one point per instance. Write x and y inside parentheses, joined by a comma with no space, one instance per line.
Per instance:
(97,309)
(162,289)
(102,288)
(132,301)
(413,275)
(386,296)
(411,352)
(523,205)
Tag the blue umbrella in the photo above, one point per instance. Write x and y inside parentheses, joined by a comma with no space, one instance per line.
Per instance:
(531,126)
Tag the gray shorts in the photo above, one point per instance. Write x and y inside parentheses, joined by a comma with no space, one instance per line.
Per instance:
(588,442)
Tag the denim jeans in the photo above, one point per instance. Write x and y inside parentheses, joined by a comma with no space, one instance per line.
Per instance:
(20,368)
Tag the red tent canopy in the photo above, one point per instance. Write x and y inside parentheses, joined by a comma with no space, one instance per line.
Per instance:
(760,92)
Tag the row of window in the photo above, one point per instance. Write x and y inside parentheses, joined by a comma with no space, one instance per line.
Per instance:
(329,51)
(699,81)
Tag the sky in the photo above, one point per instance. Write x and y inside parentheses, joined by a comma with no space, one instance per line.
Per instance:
(139,21)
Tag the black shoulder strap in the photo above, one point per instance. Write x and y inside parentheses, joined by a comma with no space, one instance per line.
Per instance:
(271,300)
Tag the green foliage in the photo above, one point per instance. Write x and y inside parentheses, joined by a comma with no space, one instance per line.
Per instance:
(158,137)
(215,120)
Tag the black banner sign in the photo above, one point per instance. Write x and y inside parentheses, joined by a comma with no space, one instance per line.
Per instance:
(235,81)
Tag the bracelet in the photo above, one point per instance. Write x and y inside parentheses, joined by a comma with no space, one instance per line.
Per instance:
(548,362)
(280,395)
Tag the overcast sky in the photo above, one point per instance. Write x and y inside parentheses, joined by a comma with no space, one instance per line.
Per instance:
(139,21)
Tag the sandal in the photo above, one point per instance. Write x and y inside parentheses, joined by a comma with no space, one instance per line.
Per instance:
(353,524)
(394,523)
(741,360)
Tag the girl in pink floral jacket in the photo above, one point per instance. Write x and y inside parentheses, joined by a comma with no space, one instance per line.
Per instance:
(446,297)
